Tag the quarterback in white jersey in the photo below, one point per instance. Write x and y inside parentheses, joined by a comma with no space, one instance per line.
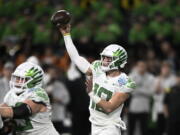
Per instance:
(27,103)
(110,87)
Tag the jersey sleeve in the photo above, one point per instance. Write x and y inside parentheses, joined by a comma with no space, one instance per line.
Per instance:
(126,84)
(7,97)
(10,98)
(39,95)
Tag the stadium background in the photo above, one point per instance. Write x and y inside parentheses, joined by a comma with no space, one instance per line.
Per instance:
(148,29)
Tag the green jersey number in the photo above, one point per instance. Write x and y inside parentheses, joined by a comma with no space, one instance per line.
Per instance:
(23,124)
(99,91)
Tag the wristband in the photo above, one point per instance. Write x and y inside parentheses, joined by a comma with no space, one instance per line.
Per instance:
(95,98)
(66,34)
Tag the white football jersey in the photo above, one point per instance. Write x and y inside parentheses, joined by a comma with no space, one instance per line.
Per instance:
(39,123)
(105,87)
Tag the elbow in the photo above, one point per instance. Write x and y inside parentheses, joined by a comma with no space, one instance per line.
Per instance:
(108,110)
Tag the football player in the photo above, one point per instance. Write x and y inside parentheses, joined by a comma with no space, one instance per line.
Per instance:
(27,103)
(111,87)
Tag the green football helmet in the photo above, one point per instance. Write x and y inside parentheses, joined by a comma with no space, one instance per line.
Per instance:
(118,57)
(26,76)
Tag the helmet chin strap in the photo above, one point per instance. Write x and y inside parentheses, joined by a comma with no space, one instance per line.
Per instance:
(106,69)
(114,68)
(17,90)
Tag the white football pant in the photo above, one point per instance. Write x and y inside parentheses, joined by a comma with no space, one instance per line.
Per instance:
(105,130)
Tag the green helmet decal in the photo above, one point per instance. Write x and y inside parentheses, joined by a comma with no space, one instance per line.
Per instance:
(36,77)
(119,57)
(120,53)
(117,53)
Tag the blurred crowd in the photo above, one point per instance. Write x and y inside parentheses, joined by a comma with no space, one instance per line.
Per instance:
(148,29)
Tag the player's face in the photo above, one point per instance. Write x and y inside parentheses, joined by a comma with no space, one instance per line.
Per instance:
(19,81)
(106,60)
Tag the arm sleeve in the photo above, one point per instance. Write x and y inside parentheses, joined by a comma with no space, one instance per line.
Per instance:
(22,111)
(80,62)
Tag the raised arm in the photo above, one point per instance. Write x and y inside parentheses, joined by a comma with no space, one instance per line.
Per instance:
(80,61)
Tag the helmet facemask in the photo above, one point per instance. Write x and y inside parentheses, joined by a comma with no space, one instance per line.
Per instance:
(19,84)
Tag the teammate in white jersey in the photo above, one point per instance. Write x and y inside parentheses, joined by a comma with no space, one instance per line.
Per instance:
(27,103)
(111,87)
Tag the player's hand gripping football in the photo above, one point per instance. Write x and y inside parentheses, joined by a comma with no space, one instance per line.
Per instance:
(89,84)
(61,19)
(65,30)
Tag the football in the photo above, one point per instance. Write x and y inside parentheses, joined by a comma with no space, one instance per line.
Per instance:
(61,18)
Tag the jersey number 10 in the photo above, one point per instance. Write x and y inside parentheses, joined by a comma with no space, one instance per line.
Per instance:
(99,91)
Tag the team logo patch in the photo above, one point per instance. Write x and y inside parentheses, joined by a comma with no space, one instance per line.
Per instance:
(122,81)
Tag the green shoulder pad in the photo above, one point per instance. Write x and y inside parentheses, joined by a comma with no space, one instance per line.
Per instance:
(41,94)
(131,84)
(96,64)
